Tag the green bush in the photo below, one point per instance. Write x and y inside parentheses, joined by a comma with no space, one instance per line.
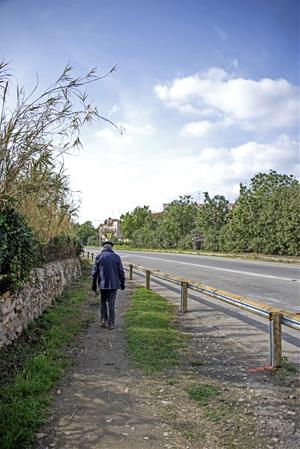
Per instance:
(60,247)
(93,241)
(186,242)
(119,242)
(19,250)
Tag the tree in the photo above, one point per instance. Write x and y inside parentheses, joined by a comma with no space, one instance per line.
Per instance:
(47,202)
(35,133)
(132,221)
(212,216)
(178,222)
(266,217)
(86,233)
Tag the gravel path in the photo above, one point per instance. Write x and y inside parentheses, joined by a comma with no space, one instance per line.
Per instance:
(100,403)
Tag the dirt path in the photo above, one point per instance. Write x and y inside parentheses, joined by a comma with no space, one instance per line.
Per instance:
(104,403)
(100,403)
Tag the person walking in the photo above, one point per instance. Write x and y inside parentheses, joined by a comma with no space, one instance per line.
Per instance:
(108,273)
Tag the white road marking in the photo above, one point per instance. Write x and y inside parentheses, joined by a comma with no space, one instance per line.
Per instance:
(229,270)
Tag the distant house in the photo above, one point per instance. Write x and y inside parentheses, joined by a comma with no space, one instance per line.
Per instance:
(156,215)
(110,229)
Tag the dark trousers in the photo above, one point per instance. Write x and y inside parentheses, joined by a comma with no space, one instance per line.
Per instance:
(107,305)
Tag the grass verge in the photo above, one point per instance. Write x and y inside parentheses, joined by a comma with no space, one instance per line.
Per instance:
(246,256)
(201,393)
(33,363)
(153,341)
(197,413)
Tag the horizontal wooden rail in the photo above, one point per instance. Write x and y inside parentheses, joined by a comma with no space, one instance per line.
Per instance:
(288,318)
(276,316)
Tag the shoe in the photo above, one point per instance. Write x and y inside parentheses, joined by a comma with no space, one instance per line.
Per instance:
(111,325)
(103,322)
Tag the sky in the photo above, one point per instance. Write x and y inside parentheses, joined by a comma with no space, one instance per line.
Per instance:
(206,90)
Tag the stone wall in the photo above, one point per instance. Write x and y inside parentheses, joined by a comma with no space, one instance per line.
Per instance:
(45,284)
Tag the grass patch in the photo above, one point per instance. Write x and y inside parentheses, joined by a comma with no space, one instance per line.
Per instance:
(33,363)
(201,393)
(287,368)
(195,436)
(216,412)
(219,413)
(153,342)
(171,381)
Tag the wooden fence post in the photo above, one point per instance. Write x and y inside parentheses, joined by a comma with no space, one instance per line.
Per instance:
(130,271)
(275,339)
(92,256)
(184,296)
(148,279)
(88,255)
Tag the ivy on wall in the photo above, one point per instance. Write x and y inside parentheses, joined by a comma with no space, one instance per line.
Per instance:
(19,250)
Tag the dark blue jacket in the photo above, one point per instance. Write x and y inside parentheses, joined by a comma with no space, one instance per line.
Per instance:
(108,271)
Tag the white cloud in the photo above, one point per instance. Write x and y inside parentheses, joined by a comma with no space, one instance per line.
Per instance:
(115,108)
(197,129)
(113,136)
(248,103)
(220,170)
(204,128)
(144,130)
(141,177)
(128,133)
(148,165)
(251,157)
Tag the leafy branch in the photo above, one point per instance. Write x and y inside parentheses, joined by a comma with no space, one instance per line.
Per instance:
(36,133)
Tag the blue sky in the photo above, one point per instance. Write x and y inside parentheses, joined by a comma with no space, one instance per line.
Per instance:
(207,91)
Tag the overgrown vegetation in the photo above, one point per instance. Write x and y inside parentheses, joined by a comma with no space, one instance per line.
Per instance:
(153,342)
(36,130)
(287,368)
(36,206)
(86,233)
(60,247)
(19,250)
(31,365)
(264,219)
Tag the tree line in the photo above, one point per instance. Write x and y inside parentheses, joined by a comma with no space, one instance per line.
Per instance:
(265,218)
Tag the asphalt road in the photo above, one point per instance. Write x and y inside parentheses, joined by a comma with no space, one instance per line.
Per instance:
(274,284)
(271,283)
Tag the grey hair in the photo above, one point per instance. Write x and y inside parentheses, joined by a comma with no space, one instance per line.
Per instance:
(107,246)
